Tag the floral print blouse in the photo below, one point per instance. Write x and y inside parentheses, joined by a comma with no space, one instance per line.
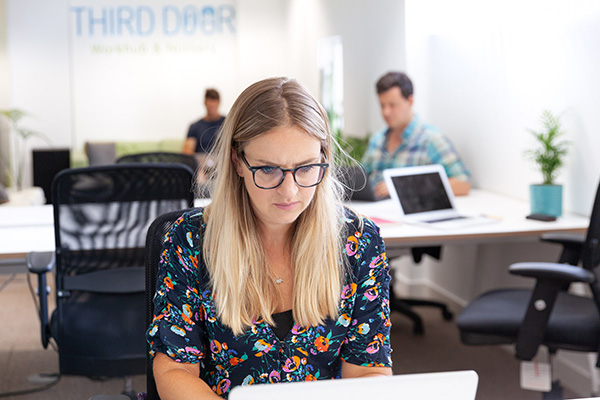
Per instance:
(187,329)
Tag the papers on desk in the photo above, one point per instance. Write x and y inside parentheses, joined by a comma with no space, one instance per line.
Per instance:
(383,221)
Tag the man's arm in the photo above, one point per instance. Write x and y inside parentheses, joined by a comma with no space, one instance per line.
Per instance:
(189,146)
(381,190)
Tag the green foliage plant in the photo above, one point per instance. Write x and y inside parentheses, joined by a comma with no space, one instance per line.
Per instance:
(351,148)
(551,150)
(22,135)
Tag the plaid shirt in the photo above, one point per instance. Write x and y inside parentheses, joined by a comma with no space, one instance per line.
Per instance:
(421,145)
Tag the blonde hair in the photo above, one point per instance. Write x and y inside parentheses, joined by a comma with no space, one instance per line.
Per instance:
(244,288)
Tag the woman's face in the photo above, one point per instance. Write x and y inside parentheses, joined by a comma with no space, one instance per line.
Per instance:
(285,147)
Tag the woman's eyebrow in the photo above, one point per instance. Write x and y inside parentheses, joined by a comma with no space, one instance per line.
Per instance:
(313,160)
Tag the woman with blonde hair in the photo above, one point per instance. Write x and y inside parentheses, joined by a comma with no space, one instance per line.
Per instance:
(275,280)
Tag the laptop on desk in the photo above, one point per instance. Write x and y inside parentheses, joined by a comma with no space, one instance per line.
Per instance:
(423,195)
(456,385)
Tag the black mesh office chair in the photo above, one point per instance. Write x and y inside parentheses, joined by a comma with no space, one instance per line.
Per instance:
(154,244)
(192,161)
(547,315)
(162,157)
(101,216)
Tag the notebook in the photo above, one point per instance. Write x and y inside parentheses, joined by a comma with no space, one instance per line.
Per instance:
(357,183)
(456,385)
(423,195)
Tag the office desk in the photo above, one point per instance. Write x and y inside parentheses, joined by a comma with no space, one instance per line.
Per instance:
(510,214)
(26,229)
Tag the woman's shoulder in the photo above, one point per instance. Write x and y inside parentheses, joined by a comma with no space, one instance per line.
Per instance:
(189,224)
(355,222)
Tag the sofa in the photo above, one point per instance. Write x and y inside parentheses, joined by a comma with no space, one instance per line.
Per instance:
(100,153)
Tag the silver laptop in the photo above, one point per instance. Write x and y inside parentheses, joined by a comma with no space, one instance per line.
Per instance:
(456,385)
(424,195)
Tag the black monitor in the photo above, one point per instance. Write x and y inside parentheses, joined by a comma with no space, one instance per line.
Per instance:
(46,164)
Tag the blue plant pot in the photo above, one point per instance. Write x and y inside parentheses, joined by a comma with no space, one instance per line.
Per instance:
(546,199)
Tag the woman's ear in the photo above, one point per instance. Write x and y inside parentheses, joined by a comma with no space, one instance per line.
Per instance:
(236,162)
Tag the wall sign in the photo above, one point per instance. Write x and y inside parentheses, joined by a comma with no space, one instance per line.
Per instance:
(140,69)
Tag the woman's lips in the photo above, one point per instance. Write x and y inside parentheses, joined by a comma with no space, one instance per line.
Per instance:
(286,206)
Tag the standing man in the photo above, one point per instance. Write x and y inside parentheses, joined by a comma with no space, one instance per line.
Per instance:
(203,133)
(407,141)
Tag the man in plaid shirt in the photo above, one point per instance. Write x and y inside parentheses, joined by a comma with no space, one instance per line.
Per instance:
(407,141)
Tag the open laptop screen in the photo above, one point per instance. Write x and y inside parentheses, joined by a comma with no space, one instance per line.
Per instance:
(421,193)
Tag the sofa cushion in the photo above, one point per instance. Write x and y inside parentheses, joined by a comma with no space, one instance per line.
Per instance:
(99,153)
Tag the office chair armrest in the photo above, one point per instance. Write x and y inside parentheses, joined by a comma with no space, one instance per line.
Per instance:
(552,271)
(550,280)
(564,238)
(40,263)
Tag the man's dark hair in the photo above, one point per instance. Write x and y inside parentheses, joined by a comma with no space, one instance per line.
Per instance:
(211,94)
(392,79)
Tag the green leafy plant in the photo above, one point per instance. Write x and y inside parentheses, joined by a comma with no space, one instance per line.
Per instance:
(550,152)
(351,148)
(22,135)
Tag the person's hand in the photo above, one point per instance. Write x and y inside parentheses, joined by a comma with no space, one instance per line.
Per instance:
(381,191)
(460,188)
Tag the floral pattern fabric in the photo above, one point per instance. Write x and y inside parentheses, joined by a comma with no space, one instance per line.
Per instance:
(187,329)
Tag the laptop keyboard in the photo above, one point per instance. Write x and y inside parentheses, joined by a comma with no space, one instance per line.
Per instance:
(433,221)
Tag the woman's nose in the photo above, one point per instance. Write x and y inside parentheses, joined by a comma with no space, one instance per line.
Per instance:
(288,187)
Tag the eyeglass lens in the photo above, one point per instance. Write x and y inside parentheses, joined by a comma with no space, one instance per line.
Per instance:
(308,175)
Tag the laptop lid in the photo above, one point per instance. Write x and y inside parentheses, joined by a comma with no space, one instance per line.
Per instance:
(357,183)
(423,192)
(456,385)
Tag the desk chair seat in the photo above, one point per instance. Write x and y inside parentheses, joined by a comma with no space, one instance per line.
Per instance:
(497,316)
(548,314)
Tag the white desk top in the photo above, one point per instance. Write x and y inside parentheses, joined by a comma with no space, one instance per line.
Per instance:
(25,229)
(510,213)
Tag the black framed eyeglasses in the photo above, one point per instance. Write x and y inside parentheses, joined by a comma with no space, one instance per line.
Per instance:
(270,177)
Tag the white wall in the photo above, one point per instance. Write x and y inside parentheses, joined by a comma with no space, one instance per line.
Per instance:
(484,71)
(4,94)
(4,77)
(274,38)
(39,69)
(374,43)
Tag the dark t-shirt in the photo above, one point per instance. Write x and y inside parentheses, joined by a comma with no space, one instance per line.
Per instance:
(206,133)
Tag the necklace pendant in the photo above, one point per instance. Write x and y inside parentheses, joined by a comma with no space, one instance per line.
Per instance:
(278,281)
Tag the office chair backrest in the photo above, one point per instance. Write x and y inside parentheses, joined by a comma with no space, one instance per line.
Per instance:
(160,156)
(154,244)
(101,216)
(591,255)
(104,212)
(591,250)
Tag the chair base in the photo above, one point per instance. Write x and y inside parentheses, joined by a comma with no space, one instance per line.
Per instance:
(404,306)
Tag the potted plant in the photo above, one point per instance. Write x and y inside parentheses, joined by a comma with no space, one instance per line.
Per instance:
(549,155)
(14,167)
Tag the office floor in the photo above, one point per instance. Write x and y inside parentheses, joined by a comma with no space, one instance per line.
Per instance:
(22,355)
